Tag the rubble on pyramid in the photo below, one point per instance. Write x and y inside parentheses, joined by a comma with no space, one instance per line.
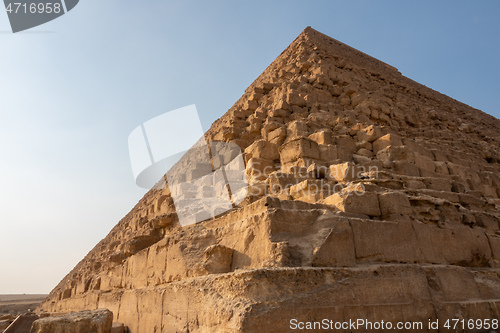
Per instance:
(369,196)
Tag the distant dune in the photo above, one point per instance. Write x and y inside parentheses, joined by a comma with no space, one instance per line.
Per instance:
(15,304)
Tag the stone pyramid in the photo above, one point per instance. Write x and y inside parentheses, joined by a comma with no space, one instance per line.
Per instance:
(370,196)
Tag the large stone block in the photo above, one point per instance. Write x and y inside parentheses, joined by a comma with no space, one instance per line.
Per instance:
(355,200)
(386,141)
(346,142)
(370,133)
(385,241)
(424,162)
(259,168)
(302,147)
(97,321)
(406,168)
(460,245)
(277,136)
(328,153)
(456,283)
(322,137)
(344,172)
(392,153)
(394,203)
(262,149)
(297,129)
(338,247)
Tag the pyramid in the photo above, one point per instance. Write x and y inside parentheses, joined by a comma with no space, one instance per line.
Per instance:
(370,196)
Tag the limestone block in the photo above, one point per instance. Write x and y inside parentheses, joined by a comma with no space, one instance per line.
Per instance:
(322,137)
(489,191)
(337,249)
(282,113)
(456,283)
(418,146)
(460,245)
(323,118)
(250,105)
(359,159)
(488,221)
(442,168)
(258,188)
(470,200)
(269,127)
(306,188)
(255,96)
(262,149)
(344,172)
(415,184)
(297,128)
(302,147)
(439,155)
(386,141)
(328,153)
(355,200)
(294,97)
(97,321)
(406,168)
(277,136)
(438,184)
(424,162)
(370,133)
(264,87)
(457,170)
(364,144)
(394,203)
(149,306)
(385,241)
(110,300)
(279,181)
(344,155)
(139,243)
(365,152)
(113,278)
(393,153)
(136,271)
(259,168)
(346,142)
(255,120)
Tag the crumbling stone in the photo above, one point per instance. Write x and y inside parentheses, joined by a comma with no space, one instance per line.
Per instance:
(404,229)
(97,321)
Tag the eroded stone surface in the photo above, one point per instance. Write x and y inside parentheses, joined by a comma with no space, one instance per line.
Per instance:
(409,218)
(96,321)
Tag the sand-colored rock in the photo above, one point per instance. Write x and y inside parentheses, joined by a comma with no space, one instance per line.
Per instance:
(410,235)
(96,321)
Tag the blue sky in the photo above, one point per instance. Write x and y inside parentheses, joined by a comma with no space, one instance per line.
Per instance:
(73,89)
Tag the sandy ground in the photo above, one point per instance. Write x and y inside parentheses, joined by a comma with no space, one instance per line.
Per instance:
(15,304)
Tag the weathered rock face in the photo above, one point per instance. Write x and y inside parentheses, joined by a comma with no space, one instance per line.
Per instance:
(370,196)
(97,321)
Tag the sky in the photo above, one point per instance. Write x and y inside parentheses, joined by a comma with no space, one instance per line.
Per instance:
(72,90)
